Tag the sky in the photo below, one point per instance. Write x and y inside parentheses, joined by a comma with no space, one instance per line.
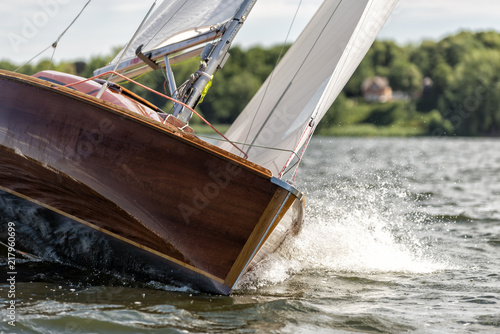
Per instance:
(29,26)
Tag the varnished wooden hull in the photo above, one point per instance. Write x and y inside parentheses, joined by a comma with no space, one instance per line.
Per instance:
(190,212)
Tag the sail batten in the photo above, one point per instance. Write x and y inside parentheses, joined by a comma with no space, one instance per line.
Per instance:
(286,110)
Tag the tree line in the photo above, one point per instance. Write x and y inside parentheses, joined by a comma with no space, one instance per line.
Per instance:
(461,95)
(464,72)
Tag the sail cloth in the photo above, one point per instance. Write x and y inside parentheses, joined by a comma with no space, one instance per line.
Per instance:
(287,108)
(175,18)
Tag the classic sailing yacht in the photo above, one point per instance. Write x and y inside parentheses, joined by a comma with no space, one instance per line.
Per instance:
(94,175)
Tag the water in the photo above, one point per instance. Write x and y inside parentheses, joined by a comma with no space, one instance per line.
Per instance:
(401,235)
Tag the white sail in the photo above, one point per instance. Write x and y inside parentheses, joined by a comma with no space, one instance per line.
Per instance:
(287,108)
(176,20)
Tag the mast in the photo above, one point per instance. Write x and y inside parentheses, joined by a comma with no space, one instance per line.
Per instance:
(213,58)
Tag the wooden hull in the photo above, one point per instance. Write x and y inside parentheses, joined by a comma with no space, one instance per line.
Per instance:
(115,183)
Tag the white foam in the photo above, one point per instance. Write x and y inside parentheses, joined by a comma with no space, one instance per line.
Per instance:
(353,228)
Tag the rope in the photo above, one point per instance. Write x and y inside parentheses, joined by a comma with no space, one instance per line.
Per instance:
(162,95)
(253,145)
(306,144)
(291,156)
(54,45)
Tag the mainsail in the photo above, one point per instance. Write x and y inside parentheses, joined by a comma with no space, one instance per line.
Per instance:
(282,116)
(173,31)
(174,20)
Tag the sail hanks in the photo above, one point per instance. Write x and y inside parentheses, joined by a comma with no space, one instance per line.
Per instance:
(287,108)
(176,20)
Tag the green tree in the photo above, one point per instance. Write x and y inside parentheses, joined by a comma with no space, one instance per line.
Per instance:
(364,70)
(227,98)
(474,108)
(424,56)
(406,77)
(385,53)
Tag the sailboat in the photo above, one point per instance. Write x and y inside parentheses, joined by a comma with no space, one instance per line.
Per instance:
(95,176)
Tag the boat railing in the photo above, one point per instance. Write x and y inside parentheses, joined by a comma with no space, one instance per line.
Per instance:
(164,96)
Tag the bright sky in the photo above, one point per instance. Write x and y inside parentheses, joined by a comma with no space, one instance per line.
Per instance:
(29,26)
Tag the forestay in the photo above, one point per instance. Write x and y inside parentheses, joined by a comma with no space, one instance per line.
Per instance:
(175,20)
(287,108)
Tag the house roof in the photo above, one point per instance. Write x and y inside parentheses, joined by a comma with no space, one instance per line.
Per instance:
(375,82)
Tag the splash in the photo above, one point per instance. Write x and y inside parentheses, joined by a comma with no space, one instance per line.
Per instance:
(355,227)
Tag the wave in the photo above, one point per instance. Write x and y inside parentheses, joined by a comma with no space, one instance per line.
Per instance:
(357,229)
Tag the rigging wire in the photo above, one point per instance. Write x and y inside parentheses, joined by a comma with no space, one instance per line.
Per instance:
(283,172)
(253,145)
(54,45)
(105,85)
(306,144)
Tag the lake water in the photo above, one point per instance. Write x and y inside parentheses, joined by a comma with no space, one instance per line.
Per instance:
(400,235)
